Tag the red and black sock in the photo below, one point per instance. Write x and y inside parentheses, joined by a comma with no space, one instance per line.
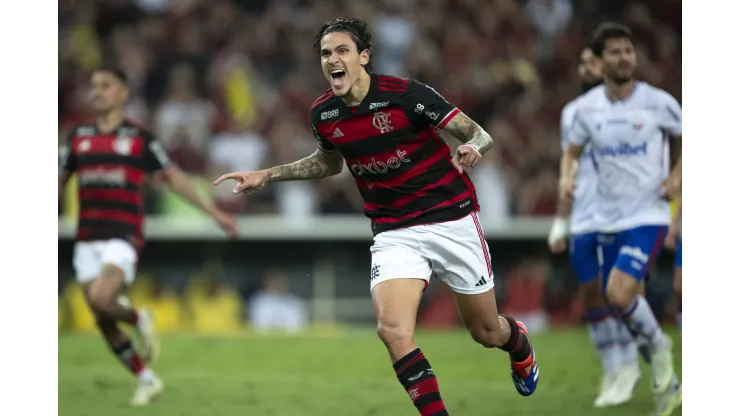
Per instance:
(417,377)
(128,356)
(518,344)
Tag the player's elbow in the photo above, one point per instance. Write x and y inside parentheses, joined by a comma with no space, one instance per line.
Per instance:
(334,162)
(573,152)
(336,168)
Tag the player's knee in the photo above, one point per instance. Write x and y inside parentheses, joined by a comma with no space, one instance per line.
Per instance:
(394,334)
(101,298)
(99,303)
(618,297)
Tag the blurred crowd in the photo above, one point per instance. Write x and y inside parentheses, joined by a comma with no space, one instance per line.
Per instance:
(226,84)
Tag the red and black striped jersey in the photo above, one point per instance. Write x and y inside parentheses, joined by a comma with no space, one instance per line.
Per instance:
(111,169)
(401,166)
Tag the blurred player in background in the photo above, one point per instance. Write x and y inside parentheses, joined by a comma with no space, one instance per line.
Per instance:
(626,123)
(111,159)
(612,339)
(673,241)
(421,203)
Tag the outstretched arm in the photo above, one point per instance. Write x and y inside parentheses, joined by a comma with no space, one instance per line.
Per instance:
(319,164)
(180,184)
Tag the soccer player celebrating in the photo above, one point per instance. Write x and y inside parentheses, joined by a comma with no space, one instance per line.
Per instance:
(612,339)
(421,203)
(625,122)
(673,241)
(111,158)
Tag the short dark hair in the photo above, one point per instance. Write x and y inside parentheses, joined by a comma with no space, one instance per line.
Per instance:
(116,72)
(606,31)
(357,29)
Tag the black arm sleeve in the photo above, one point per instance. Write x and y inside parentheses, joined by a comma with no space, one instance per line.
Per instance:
(323,144)
(67,158)
(154,156)
(427,107)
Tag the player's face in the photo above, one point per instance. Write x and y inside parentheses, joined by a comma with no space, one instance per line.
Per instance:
(106,92)
(341,62)
(619,59)
(590,67)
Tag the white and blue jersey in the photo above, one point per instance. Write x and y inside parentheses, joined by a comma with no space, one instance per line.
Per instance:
(629,142)
(583,224)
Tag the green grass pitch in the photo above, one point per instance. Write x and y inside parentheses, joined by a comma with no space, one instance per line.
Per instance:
(348,374)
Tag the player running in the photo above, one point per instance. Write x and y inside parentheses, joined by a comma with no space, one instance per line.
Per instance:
(421,203)
(673,241)
(111,158)
(625,122)
(612,339)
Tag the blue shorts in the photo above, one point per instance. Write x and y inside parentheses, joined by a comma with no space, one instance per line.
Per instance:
(677,258)
(584,256)
(631,251)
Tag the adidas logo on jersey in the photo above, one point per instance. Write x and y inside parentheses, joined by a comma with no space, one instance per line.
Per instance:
(337,133)
(481,282)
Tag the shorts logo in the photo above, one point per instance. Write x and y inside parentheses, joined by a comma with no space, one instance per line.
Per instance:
(382,122)
(636,253)
(374,272)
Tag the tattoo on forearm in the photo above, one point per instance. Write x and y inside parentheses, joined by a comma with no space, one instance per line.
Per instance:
(469,132)
(310,167)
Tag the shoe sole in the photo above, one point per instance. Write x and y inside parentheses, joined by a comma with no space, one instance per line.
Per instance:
(677,401)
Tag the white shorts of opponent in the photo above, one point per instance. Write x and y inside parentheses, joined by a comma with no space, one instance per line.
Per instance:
(90,256)
(455,251)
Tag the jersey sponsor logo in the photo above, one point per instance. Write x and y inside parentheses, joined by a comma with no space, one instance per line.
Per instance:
(382,122)
(374,106)
(337,133)
(326,115)
(624,149)
(635,252)
(112,177)
(375,167)
(431,115)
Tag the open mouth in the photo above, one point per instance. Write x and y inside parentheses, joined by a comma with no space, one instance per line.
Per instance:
(337,77)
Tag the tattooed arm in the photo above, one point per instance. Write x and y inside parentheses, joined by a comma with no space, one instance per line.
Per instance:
(469,132)
(320,164)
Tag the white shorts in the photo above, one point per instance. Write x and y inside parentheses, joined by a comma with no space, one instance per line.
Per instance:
(455,251)
(90,256)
